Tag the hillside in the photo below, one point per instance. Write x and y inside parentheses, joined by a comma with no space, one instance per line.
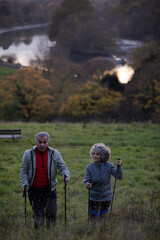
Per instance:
(136,205)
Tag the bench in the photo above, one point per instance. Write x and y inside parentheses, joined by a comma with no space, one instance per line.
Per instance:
(10,133)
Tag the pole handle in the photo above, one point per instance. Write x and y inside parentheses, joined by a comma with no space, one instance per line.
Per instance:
(65,180)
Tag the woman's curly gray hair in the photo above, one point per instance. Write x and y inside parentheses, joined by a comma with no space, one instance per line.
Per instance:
(104,151)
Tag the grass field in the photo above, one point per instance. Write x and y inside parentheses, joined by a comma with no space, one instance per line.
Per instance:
(136,207)
(5,71)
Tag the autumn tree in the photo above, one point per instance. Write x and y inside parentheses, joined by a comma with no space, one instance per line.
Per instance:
(27,95)
(144,89)
(90,100)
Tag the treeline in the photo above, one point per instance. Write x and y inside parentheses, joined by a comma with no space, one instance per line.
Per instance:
(17,12)
(74,92)
(123,18)
(138,19)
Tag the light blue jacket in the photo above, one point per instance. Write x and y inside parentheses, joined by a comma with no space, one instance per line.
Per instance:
(100,177)
(55,161)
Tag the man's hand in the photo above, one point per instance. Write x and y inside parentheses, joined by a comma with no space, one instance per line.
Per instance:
(25,189)
(88,185)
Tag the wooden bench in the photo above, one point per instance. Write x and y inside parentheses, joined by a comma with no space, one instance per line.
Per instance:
(10,133)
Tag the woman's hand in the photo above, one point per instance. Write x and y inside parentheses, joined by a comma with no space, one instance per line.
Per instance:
(88,185)
(119,162)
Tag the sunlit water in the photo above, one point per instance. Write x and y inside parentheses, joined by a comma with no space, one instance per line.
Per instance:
(124,73)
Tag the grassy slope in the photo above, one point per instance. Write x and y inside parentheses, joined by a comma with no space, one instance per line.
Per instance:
(136,204)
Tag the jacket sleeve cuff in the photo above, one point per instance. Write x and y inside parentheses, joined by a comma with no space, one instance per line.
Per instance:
(119,166)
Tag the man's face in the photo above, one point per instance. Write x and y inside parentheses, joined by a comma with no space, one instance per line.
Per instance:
(42,143)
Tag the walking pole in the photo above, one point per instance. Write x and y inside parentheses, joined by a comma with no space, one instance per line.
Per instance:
(88,204)
(112,199)
(24,195)
(113,196)
(65,198)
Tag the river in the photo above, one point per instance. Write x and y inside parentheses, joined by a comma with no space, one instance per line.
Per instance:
(26,44)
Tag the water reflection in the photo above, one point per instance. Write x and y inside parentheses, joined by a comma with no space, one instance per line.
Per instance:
(27,52)
(24,45)
(127,45)
(16,37)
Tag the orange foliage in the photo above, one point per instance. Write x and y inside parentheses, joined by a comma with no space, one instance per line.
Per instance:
(91,99)
(31,92)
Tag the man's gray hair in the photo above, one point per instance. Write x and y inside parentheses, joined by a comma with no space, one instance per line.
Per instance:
(104,151)
(42,134)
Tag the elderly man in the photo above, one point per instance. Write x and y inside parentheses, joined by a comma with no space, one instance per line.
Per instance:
(38,177)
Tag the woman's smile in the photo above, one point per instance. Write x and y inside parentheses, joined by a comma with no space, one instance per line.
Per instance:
(96,157)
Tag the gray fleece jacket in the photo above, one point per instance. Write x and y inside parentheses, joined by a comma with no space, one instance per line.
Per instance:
(55,161)
(100,177)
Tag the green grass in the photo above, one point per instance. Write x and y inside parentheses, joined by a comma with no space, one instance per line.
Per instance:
(136,208)
(6,71)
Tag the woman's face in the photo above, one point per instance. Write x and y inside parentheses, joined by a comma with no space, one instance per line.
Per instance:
(96,157)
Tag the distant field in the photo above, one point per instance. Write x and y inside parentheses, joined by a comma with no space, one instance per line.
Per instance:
(136,207)
(4,71)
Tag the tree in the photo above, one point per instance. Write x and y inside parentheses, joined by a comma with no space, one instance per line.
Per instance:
(67,19)
(18,12)
(112,82)
(90,100)
(29,94)
(128,14)
(155,102)
(148,53)
(76,26)
(96,68)
(65,10)
(143,89)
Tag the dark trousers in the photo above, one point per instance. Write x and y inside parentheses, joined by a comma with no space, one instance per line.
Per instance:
(98,209)
(44,205)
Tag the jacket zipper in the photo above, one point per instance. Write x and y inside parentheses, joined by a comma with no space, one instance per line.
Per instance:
(100,175)
(42,161)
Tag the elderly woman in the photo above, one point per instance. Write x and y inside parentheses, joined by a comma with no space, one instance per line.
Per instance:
(98,180)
